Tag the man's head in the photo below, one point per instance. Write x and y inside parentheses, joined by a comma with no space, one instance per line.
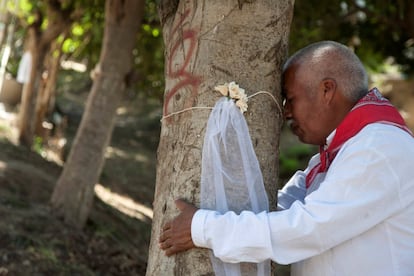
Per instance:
(321,83)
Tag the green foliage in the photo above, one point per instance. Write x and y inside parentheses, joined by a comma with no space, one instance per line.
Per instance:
(38,145)
(376,29)
(149,61)
(293,158)
(84,41)
(148,55)
(24,6)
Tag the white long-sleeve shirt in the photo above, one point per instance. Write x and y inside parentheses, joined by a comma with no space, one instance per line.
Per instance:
(358,219)
(25,66)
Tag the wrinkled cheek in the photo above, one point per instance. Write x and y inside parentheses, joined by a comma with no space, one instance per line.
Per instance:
(299,132)
(302,134)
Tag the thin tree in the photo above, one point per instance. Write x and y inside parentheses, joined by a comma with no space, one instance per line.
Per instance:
(73,195)
(46,95)
(60,19)
(208,43)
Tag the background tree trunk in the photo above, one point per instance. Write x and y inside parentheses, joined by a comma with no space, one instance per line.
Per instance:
(73,195)
(46,98)
(59,21)
(29,94)
(210,43)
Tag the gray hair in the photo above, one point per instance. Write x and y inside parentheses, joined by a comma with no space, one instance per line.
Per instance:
(329,59)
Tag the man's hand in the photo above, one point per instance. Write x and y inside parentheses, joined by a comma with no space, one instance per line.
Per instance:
(176,234)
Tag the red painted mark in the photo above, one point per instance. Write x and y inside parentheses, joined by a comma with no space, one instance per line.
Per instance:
(184,77)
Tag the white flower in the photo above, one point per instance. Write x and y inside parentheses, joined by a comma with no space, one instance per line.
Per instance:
(233,91)
(242,104)
(223,89)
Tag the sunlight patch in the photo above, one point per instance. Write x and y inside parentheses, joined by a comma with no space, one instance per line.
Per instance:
(77,66)
(115,152)
(3,167)
(124,204)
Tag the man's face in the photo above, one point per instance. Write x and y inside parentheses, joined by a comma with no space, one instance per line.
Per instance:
(303,107)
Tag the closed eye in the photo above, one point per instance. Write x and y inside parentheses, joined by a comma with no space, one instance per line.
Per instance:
(287,101)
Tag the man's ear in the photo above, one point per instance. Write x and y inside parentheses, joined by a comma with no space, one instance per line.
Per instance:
(329,89)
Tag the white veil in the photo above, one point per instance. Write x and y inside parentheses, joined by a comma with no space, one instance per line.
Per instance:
(231,178)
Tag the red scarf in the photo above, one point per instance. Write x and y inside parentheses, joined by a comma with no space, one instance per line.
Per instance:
(373,108)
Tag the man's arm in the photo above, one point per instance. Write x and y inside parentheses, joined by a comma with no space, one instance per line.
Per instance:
(176,234)
(349,202)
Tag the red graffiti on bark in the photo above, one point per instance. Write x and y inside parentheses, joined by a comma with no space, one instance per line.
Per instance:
(184,77)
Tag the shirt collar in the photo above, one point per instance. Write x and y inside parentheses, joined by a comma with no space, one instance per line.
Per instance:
(329,139)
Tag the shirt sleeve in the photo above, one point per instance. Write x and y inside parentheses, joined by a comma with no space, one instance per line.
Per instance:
(235,246)
(295,188)
(23,72)
(348,202)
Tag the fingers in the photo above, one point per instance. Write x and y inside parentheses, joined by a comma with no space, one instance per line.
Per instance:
(175,235)
(177,248)
(172,245)
(164,244)
(164,240)
(167,226)
(165,234)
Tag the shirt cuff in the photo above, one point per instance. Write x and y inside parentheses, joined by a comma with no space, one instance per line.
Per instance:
(197,227)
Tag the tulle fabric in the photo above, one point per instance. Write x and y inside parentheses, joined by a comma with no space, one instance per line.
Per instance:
(231,178)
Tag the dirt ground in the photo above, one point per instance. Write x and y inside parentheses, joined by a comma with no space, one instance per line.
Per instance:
(116,238)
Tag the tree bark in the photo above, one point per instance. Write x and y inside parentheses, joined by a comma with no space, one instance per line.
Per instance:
(46,97)
(29,94)
(59,21)
(73,195)
(209,43)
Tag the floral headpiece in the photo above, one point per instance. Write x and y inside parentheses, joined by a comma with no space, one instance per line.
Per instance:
(233,92)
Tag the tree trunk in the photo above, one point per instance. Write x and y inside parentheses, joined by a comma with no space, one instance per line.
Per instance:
(210,43)
(29,94)
(73,195)
(46,97)
(59,20)
(3,21)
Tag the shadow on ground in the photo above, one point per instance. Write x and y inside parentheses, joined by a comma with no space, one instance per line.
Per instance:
(116,238)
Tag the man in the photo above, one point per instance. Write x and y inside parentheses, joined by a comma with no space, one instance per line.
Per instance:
(351,212)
